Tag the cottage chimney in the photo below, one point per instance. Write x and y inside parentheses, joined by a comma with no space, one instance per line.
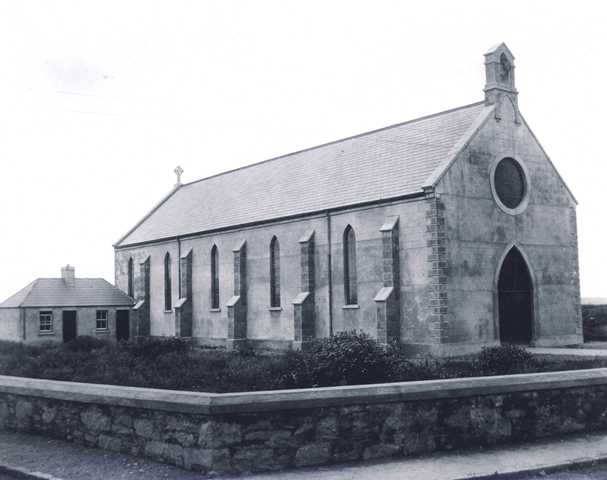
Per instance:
(68,274)
(499,70)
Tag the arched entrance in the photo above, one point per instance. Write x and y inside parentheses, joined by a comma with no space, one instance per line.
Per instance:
(515,299)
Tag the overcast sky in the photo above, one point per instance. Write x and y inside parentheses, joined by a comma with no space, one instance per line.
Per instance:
(99,101)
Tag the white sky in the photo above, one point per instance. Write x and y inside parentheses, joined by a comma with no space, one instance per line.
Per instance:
(99,101)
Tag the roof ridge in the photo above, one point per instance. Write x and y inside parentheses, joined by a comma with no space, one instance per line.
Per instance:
(351,137)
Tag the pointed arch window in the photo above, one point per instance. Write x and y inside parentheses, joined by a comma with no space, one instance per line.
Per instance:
(214,277)
(168,304)
(350,281)
(274,273)
(130,279)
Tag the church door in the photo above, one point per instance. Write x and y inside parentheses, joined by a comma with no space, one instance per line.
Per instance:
(515,298)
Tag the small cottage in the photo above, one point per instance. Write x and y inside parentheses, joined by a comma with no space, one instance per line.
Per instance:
(60,309)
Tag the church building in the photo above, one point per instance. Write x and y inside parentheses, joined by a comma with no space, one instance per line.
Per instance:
(445,233)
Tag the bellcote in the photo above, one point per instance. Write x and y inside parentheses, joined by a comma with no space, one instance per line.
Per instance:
(499,70)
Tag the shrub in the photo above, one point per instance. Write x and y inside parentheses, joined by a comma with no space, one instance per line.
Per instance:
(343,359)
(346,358)
(504,359)
(86,343)
(19,348)
(155,347)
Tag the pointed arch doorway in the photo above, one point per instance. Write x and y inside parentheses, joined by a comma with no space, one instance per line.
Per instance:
(515,299)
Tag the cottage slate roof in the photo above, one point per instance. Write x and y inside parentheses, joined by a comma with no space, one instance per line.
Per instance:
(391,162)
(54,292)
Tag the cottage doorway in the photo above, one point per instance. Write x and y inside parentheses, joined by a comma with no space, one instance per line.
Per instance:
(122,325)
(69,325)
(515,299)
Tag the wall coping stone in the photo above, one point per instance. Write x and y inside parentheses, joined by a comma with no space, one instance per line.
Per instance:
(247,402)
(383,294)
(233,301)
(180,302)
(300,298)
(307,236)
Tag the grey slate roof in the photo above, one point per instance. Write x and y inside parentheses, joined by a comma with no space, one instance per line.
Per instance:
(388,163)
(54,292)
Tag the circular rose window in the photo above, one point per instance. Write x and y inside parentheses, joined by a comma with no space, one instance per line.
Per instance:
(509,183)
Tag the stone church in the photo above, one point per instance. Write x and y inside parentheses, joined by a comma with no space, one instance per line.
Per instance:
(447,233)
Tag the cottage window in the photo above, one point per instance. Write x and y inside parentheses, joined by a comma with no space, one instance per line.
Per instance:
(46,322)
(274,273)
(214,278)
(168,303)
(101,320)
(130,278)
(350,281)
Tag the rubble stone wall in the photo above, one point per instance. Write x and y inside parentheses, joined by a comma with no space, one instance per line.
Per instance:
(263,431)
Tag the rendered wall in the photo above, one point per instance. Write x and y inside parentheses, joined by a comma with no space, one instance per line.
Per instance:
(85,323)
(10,324)
(478,235)
(415,265)
(257,431)
(209,324)
(277,325)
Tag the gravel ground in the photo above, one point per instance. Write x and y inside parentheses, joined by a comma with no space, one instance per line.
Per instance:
(36,453)
(67,461)
(592,472)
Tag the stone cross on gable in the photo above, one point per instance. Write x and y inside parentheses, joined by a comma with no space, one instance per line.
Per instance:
(178,171)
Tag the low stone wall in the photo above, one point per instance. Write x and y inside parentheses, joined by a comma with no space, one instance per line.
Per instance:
(257,431)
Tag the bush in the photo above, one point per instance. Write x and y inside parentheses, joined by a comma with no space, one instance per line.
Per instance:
(346,358)
(19,348)
(343,359)
(504,359)
(86,343)
(155,347)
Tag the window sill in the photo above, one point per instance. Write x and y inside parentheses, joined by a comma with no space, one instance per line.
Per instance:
(354,306)
(214,309)
(103,331)
(46,333)
(275,309)
(168,311)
